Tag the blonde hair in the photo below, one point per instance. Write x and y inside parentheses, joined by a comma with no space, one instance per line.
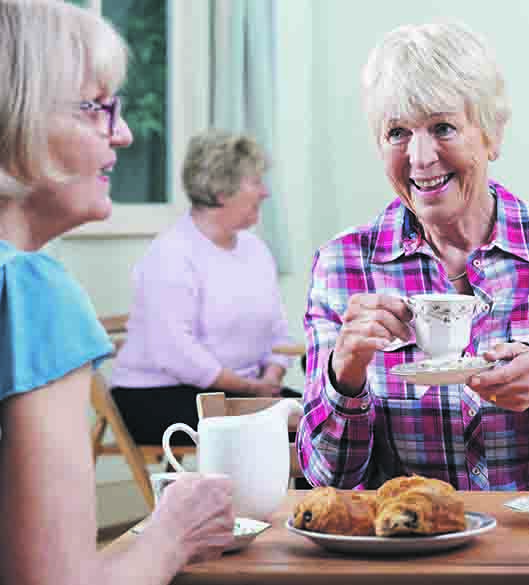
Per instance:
(48,50)
(418,70)
(216,162)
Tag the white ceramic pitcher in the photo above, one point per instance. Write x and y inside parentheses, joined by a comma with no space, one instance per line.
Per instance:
(252,449)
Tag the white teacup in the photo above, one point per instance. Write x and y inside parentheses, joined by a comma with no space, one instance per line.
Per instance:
(252,449)
(443,322)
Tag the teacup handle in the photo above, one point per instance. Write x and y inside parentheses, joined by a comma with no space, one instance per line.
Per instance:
(481,307)
(167,447)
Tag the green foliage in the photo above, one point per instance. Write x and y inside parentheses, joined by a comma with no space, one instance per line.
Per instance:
(146,86)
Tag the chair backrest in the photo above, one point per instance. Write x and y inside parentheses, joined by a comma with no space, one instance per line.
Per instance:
(218,404)
(108,414)
(116,327)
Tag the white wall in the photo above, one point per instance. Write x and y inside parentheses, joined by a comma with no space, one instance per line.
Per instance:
(328,168)
(345,180)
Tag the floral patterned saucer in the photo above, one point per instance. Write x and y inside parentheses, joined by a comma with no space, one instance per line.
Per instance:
(438,371)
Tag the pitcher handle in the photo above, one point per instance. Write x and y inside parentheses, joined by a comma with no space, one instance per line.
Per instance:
(167,447)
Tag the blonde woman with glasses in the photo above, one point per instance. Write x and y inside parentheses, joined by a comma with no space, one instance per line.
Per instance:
(60,129)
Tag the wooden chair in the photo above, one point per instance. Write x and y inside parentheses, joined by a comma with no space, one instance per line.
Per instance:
(218,404)
(294,350)
(108,416)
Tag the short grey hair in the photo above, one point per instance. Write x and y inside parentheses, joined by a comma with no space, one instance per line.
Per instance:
(48,50)
(418,70)
(216,162)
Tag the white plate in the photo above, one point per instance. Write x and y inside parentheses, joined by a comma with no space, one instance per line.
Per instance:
(477,524)
(442,370)
(244,531)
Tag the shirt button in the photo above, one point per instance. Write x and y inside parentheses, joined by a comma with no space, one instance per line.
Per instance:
(471,412)
(475,471)
(476,263)
(364,405)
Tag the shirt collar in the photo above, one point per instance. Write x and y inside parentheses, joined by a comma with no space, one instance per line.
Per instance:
(400,233)
(511,229)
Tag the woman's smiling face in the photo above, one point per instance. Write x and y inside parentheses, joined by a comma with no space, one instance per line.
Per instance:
(437,163)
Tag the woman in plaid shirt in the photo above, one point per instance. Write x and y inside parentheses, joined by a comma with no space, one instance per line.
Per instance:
(436,102)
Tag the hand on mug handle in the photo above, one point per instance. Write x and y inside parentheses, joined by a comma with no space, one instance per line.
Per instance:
(197,511)
(370,323)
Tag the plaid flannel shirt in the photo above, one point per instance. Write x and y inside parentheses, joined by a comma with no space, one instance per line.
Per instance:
(394,427)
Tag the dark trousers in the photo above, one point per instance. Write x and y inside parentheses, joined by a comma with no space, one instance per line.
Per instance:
(147,412)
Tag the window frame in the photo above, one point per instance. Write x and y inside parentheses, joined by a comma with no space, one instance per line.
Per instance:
(188,107)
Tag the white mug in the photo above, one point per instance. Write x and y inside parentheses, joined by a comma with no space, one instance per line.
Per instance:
(252,449)
(443,322)
(159,481)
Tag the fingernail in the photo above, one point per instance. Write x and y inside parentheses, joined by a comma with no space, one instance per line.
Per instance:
(475,381)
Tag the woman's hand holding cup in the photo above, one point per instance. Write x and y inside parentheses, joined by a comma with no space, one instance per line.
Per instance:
(369,324)
(196,511)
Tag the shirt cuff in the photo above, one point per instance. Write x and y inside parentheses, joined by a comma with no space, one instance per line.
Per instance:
(347,406)
(278,360)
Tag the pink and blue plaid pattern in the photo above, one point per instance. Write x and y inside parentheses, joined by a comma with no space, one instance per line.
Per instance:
(394,427)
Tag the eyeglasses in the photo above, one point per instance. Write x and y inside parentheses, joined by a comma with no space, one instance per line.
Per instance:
(113,110)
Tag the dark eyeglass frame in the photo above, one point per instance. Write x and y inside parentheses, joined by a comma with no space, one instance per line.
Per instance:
(113,109)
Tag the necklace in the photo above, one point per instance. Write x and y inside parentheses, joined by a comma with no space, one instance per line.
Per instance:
(457,276)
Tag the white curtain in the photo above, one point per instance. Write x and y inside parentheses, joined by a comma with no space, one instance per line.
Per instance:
(243,89)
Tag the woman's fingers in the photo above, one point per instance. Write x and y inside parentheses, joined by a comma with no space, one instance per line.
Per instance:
(506,351)
(377,316)
(371,302)
(506,385)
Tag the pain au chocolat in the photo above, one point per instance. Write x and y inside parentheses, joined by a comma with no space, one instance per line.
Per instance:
(418,505)
(401,506)
(325,509)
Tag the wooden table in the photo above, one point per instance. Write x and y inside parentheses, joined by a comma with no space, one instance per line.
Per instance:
(278,556)
(293,350)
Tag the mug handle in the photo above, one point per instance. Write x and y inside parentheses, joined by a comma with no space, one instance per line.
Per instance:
(167,447)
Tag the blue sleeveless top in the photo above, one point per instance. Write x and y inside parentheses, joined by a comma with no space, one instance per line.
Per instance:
(48,326)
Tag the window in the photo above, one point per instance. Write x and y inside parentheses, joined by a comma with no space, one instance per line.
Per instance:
(141,173)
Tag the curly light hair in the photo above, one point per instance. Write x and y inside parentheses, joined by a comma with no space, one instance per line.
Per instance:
(48,50)
(418,70)
(216,162)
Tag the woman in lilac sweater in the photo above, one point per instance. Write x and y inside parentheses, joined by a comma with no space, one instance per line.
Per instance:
(206,310)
